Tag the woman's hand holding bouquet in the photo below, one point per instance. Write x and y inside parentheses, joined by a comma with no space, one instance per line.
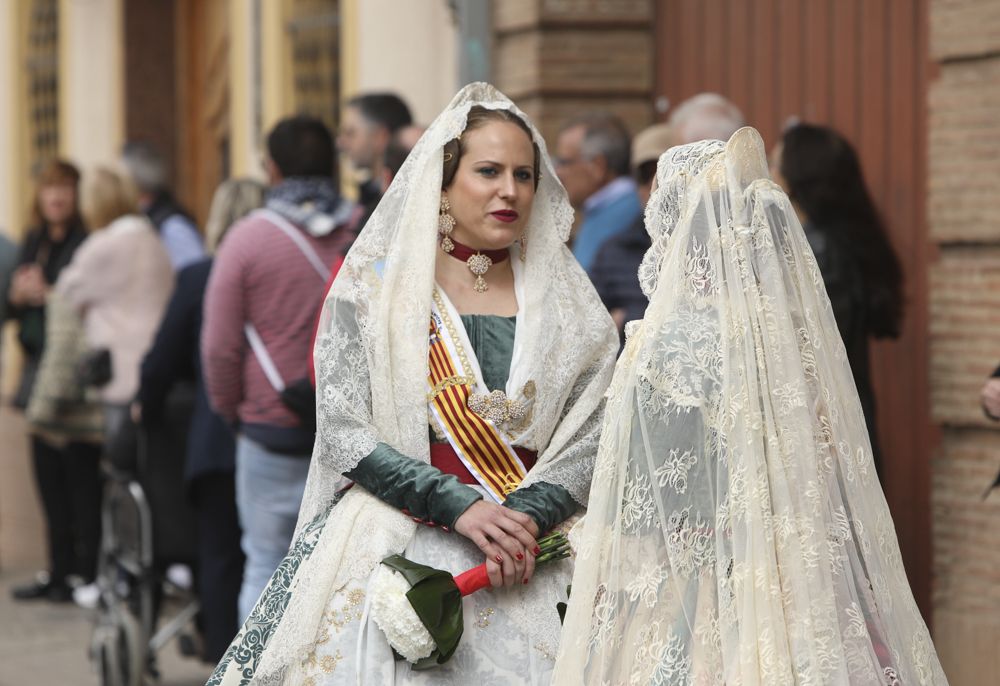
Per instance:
(506,537)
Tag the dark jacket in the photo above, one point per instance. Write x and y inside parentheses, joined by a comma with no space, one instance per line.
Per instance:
(163,207)
(53,258)
(615,271)
(846,287)
(175,356)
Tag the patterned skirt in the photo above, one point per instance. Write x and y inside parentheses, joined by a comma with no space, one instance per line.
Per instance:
(349,648)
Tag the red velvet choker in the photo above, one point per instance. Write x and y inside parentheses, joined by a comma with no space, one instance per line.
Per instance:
(464,252)
(478,261)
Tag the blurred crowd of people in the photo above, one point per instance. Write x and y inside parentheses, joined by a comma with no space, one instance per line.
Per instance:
(120,300)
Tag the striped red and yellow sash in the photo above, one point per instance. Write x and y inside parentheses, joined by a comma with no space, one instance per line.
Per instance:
(481,447)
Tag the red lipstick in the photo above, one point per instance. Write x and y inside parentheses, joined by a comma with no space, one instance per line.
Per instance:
(506,216)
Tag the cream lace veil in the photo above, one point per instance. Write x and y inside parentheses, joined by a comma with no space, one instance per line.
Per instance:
(737,533)
(371,367)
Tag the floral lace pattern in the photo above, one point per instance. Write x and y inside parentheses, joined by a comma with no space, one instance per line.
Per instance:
(736,533)
(239,664)
(349,647)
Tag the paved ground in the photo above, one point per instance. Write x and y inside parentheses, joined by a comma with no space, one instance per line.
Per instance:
(43,644)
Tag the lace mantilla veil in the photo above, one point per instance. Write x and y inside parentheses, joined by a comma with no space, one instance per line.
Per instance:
(736,533)
(371,368)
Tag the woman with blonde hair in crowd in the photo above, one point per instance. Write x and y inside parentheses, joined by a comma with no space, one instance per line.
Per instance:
(119,281)
(66,474)
(210,463)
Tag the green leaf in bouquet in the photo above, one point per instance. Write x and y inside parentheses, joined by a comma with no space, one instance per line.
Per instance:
(561,607)
(438,603)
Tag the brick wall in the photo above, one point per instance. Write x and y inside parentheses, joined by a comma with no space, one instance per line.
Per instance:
(964,28)
(558,58)
(964,218)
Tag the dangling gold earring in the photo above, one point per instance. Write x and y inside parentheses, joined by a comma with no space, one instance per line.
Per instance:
(524,246)
(446,224)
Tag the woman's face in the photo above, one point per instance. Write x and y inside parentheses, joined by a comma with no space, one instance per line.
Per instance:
(57,202)
(494,186)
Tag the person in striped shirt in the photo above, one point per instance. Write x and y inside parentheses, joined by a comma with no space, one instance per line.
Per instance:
(269,276)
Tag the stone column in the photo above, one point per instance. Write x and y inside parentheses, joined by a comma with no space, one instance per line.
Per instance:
(964,222)
(559,58)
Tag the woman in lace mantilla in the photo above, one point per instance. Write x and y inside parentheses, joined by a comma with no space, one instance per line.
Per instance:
(461,364)
(736,532)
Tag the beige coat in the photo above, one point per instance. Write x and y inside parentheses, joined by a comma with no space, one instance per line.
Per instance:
(120,280)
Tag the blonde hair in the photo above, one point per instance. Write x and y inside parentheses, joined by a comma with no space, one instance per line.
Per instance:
(233,200)
(107,195)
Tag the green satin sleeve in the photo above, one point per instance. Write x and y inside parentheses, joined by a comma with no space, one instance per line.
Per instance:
(548,504)
(420,489)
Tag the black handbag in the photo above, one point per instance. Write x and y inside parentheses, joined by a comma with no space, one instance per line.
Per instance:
(300,397)
(94,368)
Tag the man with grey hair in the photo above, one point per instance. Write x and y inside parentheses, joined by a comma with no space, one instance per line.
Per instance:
(592,161)
(706,116)
(149,172)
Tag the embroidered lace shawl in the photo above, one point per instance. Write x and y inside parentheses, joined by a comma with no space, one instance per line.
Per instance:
(736,532)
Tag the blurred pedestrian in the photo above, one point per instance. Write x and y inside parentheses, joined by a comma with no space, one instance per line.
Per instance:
(369,123)
(616,269)
(9,253)
(592,161)
(8,263)
(392,161)
(864,279)
(65,473)
(119,281)
(266,286)
(210,462)
(706,116)
(150,173)
(408,136)
(396,153)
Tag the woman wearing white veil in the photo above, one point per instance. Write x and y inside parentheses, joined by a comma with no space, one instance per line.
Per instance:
(736,532)
(458,391)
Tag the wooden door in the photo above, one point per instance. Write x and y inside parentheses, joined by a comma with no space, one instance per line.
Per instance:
(202,64)
(858,66)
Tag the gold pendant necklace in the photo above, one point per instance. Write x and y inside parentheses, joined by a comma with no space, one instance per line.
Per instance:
(478,261)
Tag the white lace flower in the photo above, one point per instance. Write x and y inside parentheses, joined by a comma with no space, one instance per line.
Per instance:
(638,507)
(674,470)
(646,584)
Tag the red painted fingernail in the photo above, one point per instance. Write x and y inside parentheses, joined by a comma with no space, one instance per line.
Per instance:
(520,556)
(525,582)
(537,550)
(499,560)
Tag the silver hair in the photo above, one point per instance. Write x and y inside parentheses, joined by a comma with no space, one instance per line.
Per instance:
(147,167)
(706,116)
(604,135)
